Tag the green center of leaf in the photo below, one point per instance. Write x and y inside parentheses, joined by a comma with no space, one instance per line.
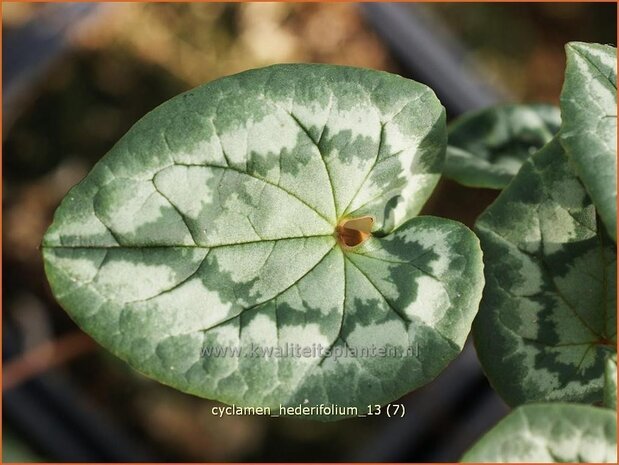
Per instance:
(352,232)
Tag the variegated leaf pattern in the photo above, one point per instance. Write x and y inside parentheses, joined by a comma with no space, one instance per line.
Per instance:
(487,148)
(211,226)
(589,131)
(548,316)
(548,433)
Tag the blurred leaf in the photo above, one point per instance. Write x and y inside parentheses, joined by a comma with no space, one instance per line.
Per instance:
(589,131)
(546,433)
(14,450)
(610,382)
(487,148)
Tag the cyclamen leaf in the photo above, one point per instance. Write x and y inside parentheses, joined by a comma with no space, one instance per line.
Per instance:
(610,383)
(548,316)
(213,226)
(589,131)
(487,148)
(547,433)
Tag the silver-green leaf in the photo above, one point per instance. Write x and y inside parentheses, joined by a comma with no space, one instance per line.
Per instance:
(487,148)
(548,316)
(210,248)
(589,130)
(547,433)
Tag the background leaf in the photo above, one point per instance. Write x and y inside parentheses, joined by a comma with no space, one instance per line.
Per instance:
(550,433)
(210,226)
(589,131)
(487,148)
(610,383)
(547,320)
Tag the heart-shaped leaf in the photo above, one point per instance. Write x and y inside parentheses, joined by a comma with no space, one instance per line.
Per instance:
(589,130)
(254,241)
(552,432)
(487,148)
(610,383)
(548,317)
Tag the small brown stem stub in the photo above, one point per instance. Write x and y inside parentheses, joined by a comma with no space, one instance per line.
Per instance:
(352,232)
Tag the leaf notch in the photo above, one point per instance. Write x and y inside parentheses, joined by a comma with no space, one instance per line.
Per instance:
(352,232)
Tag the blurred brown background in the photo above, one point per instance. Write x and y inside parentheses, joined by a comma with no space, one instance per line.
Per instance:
(77,77)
